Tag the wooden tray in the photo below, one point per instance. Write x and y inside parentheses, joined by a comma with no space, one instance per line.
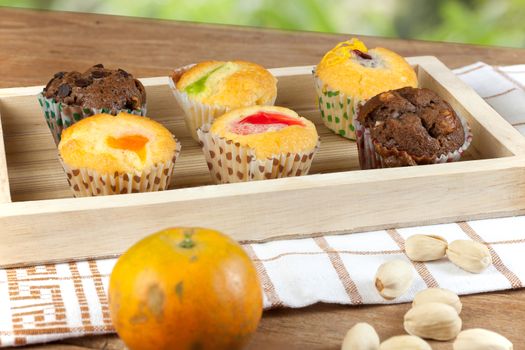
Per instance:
(41,222)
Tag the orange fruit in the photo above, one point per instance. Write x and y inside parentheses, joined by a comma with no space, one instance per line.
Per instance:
(185,288)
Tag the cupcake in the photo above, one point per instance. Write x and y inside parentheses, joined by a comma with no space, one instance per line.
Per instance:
(72,96)
(350,74)
(258,142)
(106,154)
(210,89)
(409,126)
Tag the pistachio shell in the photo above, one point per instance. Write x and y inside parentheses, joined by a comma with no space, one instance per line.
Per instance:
(433,321)
(394,278)
(405,342)
(425,247)
(471,256)
(438,295)
(481,339)
(361,336)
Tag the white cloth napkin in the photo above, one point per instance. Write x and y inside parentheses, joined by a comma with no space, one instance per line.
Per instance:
(45,303)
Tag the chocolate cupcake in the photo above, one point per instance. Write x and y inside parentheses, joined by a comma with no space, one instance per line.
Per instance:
(71,96)
(409,126)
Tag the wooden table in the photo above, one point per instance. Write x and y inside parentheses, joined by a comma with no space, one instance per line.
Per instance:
(35,44)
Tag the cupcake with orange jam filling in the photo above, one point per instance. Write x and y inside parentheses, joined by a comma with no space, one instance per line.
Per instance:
(107,154)
(258,142)
(349,75)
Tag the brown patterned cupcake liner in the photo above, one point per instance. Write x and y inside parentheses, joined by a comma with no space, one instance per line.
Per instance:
(60,116)
(86,182)
(372,155)
(229,161)
(338,110)
(196,114)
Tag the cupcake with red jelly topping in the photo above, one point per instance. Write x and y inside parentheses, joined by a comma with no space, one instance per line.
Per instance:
(71,96)
(349,75)
(211,88)
(258,142)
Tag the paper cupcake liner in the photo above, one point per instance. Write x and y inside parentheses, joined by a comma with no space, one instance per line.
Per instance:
(60,116)
(230,162)
(196,114)
(369,158)
(86,182)
(338,110)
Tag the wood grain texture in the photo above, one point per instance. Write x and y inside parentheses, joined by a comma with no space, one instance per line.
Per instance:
(322,327)
(37,44)
(34,45)
(36,173)
(300,206)
(5,192)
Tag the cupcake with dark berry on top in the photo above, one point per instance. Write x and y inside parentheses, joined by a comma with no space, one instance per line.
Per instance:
(349,75)
(71,96)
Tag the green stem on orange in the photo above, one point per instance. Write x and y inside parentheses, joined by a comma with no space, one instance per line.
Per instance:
(187,242)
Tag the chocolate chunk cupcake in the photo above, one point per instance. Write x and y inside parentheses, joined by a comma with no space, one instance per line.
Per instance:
(71,96)
(409,126)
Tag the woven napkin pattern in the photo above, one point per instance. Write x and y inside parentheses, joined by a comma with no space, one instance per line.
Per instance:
(50,302)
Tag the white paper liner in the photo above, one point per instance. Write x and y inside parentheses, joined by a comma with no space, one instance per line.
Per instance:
(197,114)
(86,182)
(231,162)
(370,159)
(338,110)
(60,116)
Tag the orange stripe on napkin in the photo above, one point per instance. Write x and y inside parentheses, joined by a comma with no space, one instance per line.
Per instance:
(267,284)
(342,272)
(514,280)
(420,267)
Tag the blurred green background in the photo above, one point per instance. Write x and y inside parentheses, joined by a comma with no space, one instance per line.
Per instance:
(489,22)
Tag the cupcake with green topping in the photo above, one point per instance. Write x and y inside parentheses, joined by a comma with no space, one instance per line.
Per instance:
(72,96)
(209,89)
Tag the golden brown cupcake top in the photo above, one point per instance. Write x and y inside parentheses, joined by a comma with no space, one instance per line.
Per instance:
(230,84)
(357,71)
(123,143)
(269,130)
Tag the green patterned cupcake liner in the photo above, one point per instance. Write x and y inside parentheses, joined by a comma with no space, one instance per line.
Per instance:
(60,116)
(338,110)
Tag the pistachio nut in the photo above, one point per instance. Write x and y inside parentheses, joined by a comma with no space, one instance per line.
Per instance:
(481,339)
(471,256)
(361,336)
(433,321)
(394,278)
(405,342)
(438,295)
(425,247)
